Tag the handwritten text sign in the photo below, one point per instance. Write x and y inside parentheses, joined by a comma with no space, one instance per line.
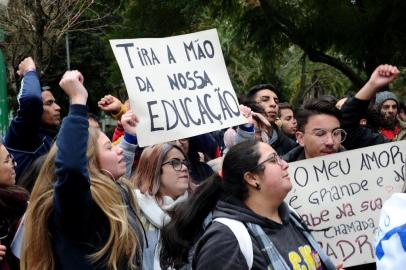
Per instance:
(345,192)
(178,86)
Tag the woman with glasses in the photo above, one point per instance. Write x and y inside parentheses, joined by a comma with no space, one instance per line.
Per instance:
(162,181)
(13,203)
(82,213)
(194,147)
(246,199)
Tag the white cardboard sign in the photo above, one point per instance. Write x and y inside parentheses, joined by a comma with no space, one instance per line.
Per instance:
(178,86)
(343,193)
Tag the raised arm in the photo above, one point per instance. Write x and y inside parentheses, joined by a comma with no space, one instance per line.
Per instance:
(382,76)
(129,143)
(354,109)
(72,196)
(23,131)
(113,105)
(246,131)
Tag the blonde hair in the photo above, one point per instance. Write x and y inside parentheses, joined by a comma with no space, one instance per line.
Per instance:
(122,241)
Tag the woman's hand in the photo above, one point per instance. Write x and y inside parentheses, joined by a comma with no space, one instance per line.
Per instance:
(340,266)
(261,118)
(110,104)
(72,85)
(247,113)
(129,121)
(2,252)
(25,66)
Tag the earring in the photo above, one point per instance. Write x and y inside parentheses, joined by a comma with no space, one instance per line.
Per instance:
(258,187)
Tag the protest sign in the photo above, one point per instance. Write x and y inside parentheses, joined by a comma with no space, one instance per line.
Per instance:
(390,239)
(342,194)
(178,86)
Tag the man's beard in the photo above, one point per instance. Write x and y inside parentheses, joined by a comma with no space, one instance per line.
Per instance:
(388,122)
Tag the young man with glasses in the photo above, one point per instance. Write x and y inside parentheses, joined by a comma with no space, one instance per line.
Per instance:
(319,132)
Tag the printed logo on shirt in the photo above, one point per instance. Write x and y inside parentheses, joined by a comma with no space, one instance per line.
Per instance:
(305,259)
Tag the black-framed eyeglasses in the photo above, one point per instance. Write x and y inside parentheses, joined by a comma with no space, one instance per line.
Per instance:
(177,163)
(273,158)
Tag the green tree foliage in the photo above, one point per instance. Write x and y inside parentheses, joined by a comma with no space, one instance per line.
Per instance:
(304,47)
(351,37)
(246,64)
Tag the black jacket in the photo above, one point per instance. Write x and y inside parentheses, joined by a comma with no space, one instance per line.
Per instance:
(295,154)
(218,248)
(77,225)
(352,111)
(26,139)
(283,144)
(298,153)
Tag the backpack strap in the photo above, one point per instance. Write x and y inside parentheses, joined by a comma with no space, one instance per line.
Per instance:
(297,220)
(268,249)
(243,237)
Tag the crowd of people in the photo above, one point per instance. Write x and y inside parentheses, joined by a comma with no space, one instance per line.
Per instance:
(212,201)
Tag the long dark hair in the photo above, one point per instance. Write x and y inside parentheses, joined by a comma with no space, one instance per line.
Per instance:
(186,224)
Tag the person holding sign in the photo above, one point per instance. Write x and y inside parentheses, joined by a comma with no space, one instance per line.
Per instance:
(82,213)
(192,147)
(390,241)
(319,131)
(163,182)
(263,98)
(251,228)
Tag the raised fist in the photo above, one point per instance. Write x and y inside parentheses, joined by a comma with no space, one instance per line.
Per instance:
(72,85)
(383,75)
(26,65)
(110,104)
(247,113)
(129,121)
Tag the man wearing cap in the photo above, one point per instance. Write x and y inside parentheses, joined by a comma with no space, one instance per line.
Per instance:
(32,131)
(388,104)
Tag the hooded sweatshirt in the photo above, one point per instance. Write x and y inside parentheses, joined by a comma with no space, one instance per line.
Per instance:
(26,138)
(218,248)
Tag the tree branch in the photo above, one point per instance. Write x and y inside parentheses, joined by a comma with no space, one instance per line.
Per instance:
(314,54)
